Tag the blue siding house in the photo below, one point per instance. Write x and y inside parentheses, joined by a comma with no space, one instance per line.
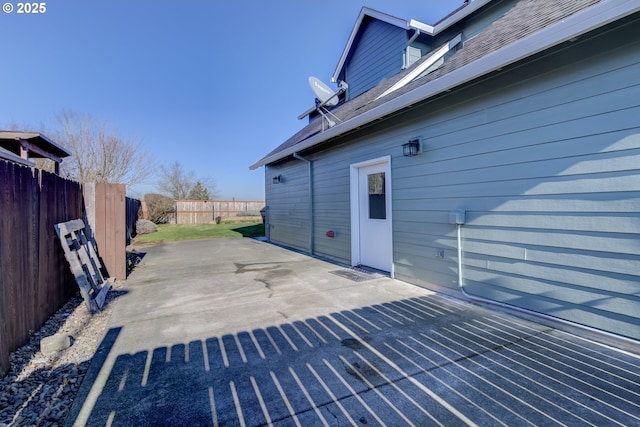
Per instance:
(503,165)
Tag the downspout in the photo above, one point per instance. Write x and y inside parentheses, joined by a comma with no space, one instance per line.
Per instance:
(567,323)
(411,40)
(311,214)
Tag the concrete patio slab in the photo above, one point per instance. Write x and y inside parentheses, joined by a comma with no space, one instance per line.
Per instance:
(241,332)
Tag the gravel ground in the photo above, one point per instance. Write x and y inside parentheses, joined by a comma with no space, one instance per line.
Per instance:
(39,389)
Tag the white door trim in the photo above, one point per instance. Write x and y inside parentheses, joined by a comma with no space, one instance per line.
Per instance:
(355,208)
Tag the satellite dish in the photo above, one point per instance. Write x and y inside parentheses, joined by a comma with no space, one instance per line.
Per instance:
(325,97)
(323,92)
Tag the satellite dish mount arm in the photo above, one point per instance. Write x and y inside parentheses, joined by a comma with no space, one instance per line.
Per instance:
(325,97)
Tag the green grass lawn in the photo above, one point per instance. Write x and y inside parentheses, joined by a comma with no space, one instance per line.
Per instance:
(175,232)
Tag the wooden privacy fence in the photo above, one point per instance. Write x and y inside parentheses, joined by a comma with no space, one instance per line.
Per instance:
(35,279)
(206,211)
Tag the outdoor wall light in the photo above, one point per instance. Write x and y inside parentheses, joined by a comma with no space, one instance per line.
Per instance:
(277,179)
(411,148)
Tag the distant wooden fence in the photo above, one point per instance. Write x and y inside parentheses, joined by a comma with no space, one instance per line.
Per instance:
(194,211)
(35,279)
(206,211)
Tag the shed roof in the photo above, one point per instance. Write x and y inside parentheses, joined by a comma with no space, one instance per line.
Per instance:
(7,155)
(10,141)
(528,28)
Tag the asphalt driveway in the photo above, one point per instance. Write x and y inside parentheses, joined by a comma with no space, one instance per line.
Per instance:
(241,332)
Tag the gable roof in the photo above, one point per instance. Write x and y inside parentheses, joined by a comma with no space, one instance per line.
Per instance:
(363,17)
(463,11)
(530,27)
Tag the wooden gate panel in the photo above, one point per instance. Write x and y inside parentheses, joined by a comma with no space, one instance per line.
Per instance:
(111,228)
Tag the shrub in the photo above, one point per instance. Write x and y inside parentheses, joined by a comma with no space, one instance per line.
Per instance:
(160,209)
(144,226)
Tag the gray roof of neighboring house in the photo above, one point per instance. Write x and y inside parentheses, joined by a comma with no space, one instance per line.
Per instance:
(531,26)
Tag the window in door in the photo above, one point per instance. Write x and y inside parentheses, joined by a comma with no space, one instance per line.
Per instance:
(377,196)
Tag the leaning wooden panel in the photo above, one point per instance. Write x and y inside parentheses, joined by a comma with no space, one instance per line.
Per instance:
(84,263)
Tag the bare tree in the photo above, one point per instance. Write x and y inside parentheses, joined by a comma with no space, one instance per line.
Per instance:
(175,182)
(100,154)
(180,184)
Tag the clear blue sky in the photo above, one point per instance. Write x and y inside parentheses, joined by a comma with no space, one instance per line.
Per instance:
(212,84)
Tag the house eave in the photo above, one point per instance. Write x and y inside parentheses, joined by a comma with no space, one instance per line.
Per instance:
(582,22)
(8,155)
(470,8)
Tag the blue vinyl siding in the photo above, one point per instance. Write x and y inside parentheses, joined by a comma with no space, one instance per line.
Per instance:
(288,204)
(378,55)
(545,159)
(546,162)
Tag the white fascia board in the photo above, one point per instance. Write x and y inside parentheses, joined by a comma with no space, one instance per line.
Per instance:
(461,14)
(423,28)
(582,22)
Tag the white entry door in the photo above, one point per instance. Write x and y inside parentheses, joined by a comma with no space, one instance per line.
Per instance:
(372,215)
